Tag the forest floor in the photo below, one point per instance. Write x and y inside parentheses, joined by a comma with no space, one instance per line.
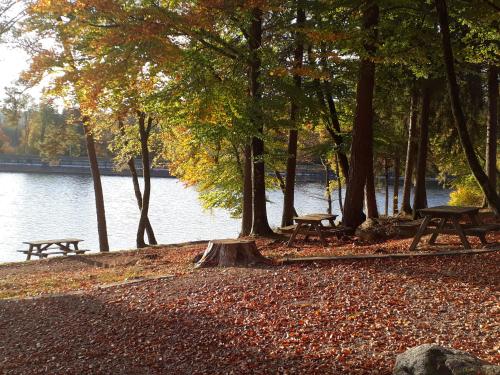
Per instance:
(342,317)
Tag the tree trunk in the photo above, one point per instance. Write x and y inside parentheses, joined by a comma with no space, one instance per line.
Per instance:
(410,153)
(137,189)
(138,197)
(246,217)
(362,137)
(231,253)
(371,197)
(99,197)
(460,122)
(491,131)
(336,131)
(288,204)
(386,178)
(260,225)
(331,121)
(327,187)
(420,198)
(144,135)
(395,196)
(339,184)
(281,182)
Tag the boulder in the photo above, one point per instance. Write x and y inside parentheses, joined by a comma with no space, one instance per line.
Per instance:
(432,359)
(373,230)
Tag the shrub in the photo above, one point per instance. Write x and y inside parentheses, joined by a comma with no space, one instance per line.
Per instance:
(466,193)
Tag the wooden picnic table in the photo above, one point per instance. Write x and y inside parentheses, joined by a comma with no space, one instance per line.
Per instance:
(451,214)
(41,248)
(312,223)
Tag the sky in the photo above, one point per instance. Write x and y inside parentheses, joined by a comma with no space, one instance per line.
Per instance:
(13,60)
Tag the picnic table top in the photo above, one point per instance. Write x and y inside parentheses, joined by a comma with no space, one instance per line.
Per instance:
(448,210)
(315,217)
(44,242)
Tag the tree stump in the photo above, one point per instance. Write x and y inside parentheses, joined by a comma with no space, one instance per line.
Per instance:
(230,253)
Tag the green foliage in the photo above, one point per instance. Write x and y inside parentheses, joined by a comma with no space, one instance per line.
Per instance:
(186,65)
(466,193)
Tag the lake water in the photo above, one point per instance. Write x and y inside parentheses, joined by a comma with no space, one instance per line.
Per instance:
(44,206)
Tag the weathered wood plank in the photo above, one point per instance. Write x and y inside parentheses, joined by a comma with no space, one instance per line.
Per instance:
(387,256)
(53,242)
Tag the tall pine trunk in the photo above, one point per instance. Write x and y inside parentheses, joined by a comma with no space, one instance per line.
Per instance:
(298,55)
(144,135)
(410,154)
(491,131)
(260,225)
(420,198)
(99,197)
(362,138)
(456,106)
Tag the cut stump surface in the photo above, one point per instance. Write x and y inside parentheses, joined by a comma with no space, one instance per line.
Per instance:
(231,253)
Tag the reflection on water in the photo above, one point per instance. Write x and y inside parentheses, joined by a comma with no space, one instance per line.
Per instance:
(43,206)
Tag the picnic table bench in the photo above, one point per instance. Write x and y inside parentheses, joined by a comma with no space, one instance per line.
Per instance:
(42,248)
(312,225)
(452,214)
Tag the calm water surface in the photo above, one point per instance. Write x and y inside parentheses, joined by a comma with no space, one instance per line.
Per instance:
(44,206)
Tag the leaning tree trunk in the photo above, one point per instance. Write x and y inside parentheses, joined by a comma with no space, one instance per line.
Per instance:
(491,131)
(99,197)
(231,253)
(362,137)
(138,197)
(260,225)
(288,203)
(395,195)
(410,154)
(335,132)
(456,106)
(246,215)
(144,135)
(331,120)
(420,198)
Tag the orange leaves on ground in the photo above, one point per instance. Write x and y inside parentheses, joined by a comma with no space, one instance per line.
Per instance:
(347,317)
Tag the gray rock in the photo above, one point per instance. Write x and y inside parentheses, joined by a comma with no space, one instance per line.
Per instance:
(370,231)
(432,359)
